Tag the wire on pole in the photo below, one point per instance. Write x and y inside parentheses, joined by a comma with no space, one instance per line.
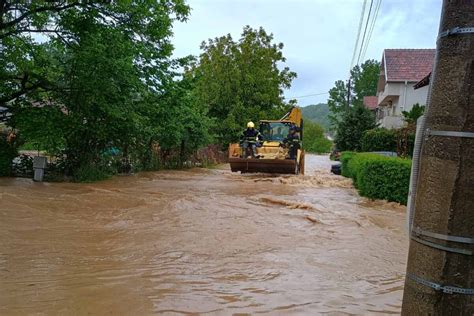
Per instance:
(365,31)
(308,95)
(372,26)
(354,53)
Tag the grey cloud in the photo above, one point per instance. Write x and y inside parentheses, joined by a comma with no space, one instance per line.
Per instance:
(319,36)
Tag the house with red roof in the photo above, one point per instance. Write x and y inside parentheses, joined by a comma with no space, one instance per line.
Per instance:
(371,102)
(400,71)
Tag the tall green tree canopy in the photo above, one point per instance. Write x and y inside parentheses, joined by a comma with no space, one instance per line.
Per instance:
(241,80)
(26,65)
(99,75)
(363,82)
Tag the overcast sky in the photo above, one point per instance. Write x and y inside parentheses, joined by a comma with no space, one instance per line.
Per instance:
(319,35)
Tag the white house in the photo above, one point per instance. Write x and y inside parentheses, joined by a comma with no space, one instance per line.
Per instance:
(400,70)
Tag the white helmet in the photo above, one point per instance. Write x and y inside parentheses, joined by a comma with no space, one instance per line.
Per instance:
(250,125)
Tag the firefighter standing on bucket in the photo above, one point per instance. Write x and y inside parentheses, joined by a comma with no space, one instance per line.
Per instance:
(250,139)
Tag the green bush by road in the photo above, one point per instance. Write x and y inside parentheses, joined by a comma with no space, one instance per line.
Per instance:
(314,139)
(8,151)
(379,139)
(382,139)
(378,177)
(346,156)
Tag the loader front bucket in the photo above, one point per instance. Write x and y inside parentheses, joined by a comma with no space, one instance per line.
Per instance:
(283,166)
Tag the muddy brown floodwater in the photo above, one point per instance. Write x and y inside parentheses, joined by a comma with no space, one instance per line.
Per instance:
(200,241)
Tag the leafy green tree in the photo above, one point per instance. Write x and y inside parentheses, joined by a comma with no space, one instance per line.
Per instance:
(363,82)
(100,79)
(125,113)
(338,102)
(26,66)
(103,101)
(241,80)
(43,127)
(314,139)
(414,114)
(365,78)
(354,122)
(183,123)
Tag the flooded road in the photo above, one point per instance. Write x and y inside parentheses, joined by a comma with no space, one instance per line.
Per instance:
(200,241)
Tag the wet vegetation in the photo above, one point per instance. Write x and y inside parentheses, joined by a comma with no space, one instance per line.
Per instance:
(99,92)
(378,177)
(314,139)
(8,151)
(401,140)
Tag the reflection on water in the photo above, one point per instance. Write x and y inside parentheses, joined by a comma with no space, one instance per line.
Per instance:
(199,241)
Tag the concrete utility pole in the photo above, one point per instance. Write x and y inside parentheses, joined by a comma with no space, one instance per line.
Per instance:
(440,272)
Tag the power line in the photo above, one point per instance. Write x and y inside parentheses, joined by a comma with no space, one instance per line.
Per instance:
(372,26)
(365,31)
(362,13)
(308,95)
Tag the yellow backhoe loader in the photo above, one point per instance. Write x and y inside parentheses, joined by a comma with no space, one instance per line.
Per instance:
(272,157)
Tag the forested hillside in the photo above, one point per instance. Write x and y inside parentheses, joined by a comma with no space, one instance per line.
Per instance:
(317,113)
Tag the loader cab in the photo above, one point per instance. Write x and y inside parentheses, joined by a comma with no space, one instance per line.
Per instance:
(275,131)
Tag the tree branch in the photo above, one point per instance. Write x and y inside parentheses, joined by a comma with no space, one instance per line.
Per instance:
(24,87)
(3,8)
(18,31)
(37,10)
(5,99)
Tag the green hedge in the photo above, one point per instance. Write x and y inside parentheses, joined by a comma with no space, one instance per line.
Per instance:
(378,177)
(7,153)
(345,157)
(379,139)
(382,139)
(356,164)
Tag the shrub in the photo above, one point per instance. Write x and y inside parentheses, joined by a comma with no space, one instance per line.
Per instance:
(23,166)
(379,139)
(92,172)
(378,177)
(406,141)
(382,139)
(414,114)
(350,129)
(314,140)
(8,151)
(356,164)
(346,156)
(318,146)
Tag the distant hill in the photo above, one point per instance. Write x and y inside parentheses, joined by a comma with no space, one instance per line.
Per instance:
(317,113)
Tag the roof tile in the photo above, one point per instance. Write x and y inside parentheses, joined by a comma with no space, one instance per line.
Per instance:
(370,102)
(408,64)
